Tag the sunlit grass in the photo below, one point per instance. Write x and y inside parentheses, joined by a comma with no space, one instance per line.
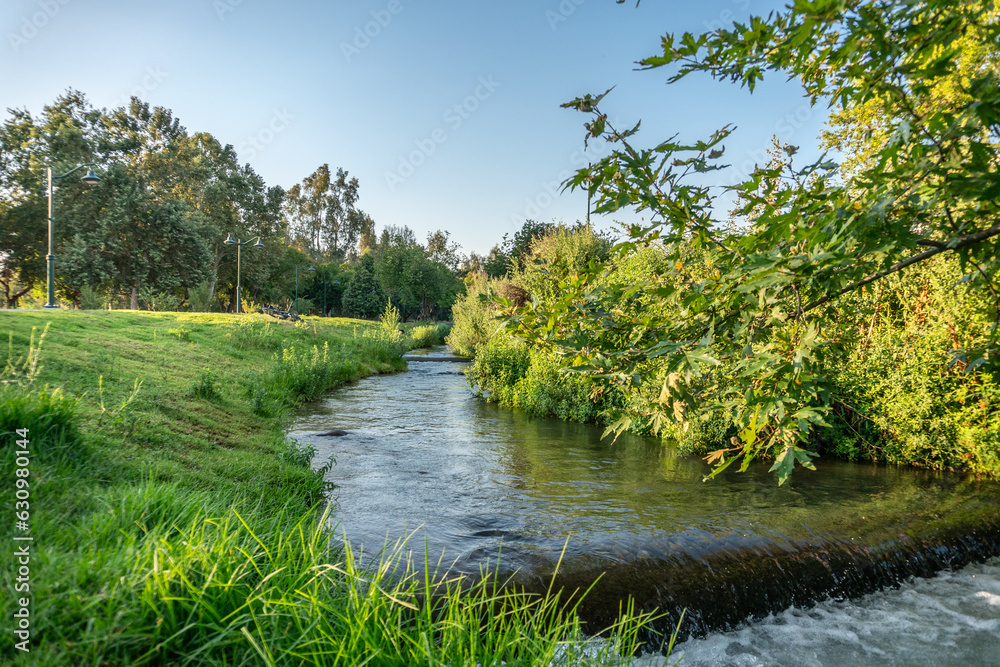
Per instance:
(174,523)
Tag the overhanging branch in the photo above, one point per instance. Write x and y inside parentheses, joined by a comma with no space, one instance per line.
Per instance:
(962,242)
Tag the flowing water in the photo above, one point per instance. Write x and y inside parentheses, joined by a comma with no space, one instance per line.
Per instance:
(951,619)
(475,486)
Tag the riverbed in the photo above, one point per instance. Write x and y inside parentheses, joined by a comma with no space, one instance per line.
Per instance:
(474,486)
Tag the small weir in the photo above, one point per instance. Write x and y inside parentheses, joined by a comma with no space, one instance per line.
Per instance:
(480,487)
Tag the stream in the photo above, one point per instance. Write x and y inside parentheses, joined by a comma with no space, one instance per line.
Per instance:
(819,571)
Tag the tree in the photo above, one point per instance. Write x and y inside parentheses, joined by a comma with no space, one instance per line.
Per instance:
(749,313)
(323,216)
(416,282)
(63,136)
(135,240)
(232,198)
(444,251)
(326,286)
(511,253)
(364,296)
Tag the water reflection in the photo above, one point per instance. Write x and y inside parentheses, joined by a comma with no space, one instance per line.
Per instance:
(423,455)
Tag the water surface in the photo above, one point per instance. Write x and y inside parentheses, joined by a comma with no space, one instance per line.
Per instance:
(471,482)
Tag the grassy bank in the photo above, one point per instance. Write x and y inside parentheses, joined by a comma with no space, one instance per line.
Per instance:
(173,522)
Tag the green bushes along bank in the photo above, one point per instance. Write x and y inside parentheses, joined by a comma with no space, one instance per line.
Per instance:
(899,390)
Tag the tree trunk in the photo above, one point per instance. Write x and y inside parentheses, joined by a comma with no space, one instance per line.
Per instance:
(11,299)
(135,297)
(215,277)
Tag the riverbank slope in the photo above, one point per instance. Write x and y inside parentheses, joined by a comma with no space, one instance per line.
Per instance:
(170,519)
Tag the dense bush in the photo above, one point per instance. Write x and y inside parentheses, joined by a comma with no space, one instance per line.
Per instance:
(89,299)
(900,389)
(903,393)
(428,335)
(473,314)
(252,333)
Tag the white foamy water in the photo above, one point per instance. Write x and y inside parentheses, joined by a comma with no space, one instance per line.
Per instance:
(952,619)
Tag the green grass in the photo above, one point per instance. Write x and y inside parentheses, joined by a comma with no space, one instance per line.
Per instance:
(174,523)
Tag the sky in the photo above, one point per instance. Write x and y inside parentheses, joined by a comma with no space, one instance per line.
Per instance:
(447,112)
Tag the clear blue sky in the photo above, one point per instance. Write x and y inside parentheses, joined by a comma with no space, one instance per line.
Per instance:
(298,83)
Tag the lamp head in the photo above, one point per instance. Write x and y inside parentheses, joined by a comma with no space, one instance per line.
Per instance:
(258,244)
(91,178)
(229,240)
(310,269)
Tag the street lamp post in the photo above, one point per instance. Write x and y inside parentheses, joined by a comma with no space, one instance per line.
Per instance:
(90,179)
(297,284)
(239,246)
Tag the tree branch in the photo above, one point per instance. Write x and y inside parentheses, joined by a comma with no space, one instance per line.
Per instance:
(962,241)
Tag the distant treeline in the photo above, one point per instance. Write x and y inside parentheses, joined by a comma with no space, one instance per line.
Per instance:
(152,233)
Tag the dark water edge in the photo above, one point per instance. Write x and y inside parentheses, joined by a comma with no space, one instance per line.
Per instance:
(949,620)
(723,590)
(482,488)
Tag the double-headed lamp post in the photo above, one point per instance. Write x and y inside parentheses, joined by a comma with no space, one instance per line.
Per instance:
(297,268)
(90,179)
(239,245)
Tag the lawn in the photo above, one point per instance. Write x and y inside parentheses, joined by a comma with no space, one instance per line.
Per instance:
(172,522)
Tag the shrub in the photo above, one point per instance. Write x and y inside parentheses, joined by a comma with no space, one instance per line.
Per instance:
(182,332)
(200,297)
(428,335)
(902,392)
(390,320)
(249,333)
(499,366)
(473,314)
(204,385)
(89,299)
(159,300)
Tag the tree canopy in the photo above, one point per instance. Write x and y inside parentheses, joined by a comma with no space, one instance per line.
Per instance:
(749,312)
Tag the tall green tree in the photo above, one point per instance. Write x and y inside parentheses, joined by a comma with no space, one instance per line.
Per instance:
(364,296)
(414,278)
(441,249)
(233,199)
(750,313)
(323,216)
(64,135)
(135,240)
